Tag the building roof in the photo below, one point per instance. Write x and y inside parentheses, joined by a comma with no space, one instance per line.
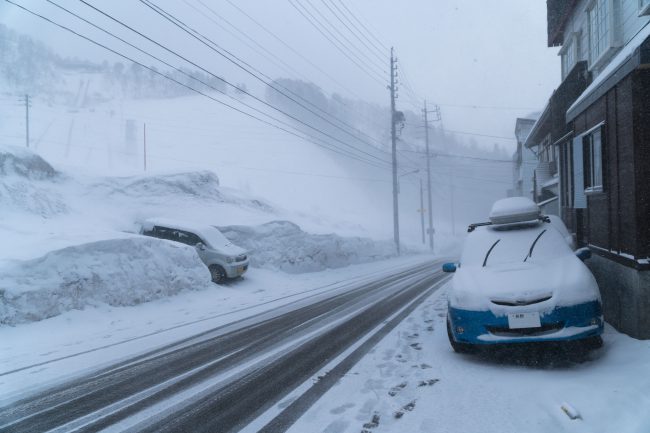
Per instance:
(624,62)
(522,128)
(557,14)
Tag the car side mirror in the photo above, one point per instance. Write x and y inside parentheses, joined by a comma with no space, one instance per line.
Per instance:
(583,253)
(200,246)
(449,267)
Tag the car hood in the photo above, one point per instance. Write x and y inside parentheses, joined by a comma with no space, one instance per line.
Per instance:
(230,250)
(547,284)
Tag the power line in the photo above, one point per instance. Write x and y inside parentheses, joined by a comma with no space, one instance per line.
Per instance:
(342,50)
(468,133)
(350,45)
(314,140)
(380,55)
(276,37)
(216,48)
(308,61)
(487,107)
(364,27)
(381,52)
(234,86)
(356,130)
(266,53)
(449,155)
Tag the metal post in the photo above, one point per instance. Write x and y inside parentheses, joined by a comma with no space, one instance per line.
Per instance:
(27,120)
(422,210)
(144,131)
(393,134)
(430,206)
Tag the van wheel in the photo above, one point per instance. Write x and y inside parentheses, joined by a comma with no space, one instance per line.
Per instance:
(218,273)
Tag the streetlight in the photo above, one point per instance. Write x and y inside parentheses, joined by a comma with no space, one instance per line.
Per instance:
(405,174)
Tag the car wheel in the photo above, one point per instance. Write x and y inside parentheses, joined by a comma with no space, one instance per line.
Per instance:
(458,347)
(218,273)
(592,343)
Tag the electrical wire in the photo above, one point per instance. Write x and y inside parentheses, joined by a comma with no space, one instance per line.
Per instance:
(153,70)
(216,48)
(371,75)
(364,27)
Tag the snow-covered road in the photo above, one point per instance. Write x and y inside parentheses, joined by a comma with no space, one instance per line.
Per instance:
(413,382)
(242,366)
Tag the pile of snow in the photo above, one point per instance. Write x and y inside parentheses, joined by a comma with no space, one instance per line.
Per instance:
(284,246)
(116,272)
(26,182)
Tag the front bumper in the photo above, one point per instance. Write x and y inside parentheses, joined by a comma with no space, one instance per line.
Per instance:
(560,324)
(236,269)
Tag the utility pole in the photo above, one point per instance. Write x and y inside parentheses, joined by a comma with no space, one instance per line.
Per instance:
(393,135)
(422,210)
(430,206)
(144,133)
(27,120)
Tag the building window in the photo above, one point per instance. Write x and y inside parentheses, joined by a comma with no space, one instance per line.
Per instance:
(603,28)
(644,7)
(593,154)
(570,53)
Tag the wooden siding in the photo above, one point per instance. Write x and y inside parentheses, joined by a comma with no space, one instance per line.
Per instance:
(641,91)
(618,219)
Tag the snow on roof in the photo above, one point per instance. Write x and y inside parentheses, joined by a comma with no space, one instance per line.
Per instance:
(513,209)
(206,232)
(621,57)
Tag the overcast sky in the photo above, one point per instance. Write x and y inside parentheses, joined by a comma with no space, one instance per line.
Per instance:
(485,62)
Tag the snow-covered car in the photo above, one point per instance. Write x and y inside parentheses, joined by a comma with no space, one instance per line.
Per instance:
(518,280)
(222,257)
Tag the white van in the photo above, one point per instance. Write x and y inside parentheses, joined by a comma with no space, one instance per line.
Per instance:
(223,259)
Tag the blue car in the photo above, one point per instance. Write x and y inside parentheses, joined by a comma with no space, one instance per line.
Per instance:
(519,281)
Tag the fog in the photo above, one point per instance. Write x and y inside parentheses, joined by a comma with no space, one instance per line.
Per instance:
(482,63)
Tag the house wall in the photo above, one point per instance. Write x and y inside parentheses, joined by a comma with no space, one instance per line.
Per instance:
(611,216)
(616,222)
(641,103)
(629,21)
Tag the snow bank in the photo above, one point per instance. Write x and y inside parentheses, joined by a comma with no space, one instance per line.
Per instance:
(25,183)
(283,245)
(117,272)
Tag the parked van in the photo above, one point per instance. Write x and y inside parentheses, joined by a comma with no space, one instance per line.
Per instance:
(223,259)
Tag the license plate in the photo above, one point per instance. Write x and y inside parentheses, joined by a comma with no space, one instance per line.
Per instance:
(240,270)
(524,320)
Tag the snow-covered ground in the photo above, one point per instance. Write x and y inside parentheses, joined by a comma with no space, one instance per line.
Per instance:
(82,340)
(412,382)
(71,241)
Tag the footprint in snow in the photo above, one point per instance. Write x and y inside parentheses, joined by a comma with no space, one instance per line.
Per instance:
(416,346)
(374,422)
(396,389)
(428,382)
(339,410)
(407,408)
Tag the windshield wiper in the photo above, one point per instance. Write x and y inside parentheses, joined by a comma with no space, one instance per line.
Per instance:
(530,253)
(489,251)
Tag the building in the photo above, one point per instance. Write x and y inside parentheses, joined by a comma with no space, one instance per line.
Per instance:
(599,142)
(524,161)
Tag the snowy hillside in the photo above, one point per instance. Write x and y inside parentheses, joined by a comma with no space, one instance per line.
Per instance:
(71,241)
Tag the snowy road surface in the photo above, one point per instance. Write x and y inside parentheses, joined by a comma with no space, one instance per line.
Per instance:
(223,378)
(413,382)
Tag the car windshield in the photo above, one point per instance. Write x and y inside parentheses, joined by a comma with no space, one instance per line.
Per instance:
(514,245)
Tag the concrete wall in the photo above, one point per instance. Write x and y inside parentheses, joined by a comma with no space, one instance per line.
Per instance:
(626,296)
